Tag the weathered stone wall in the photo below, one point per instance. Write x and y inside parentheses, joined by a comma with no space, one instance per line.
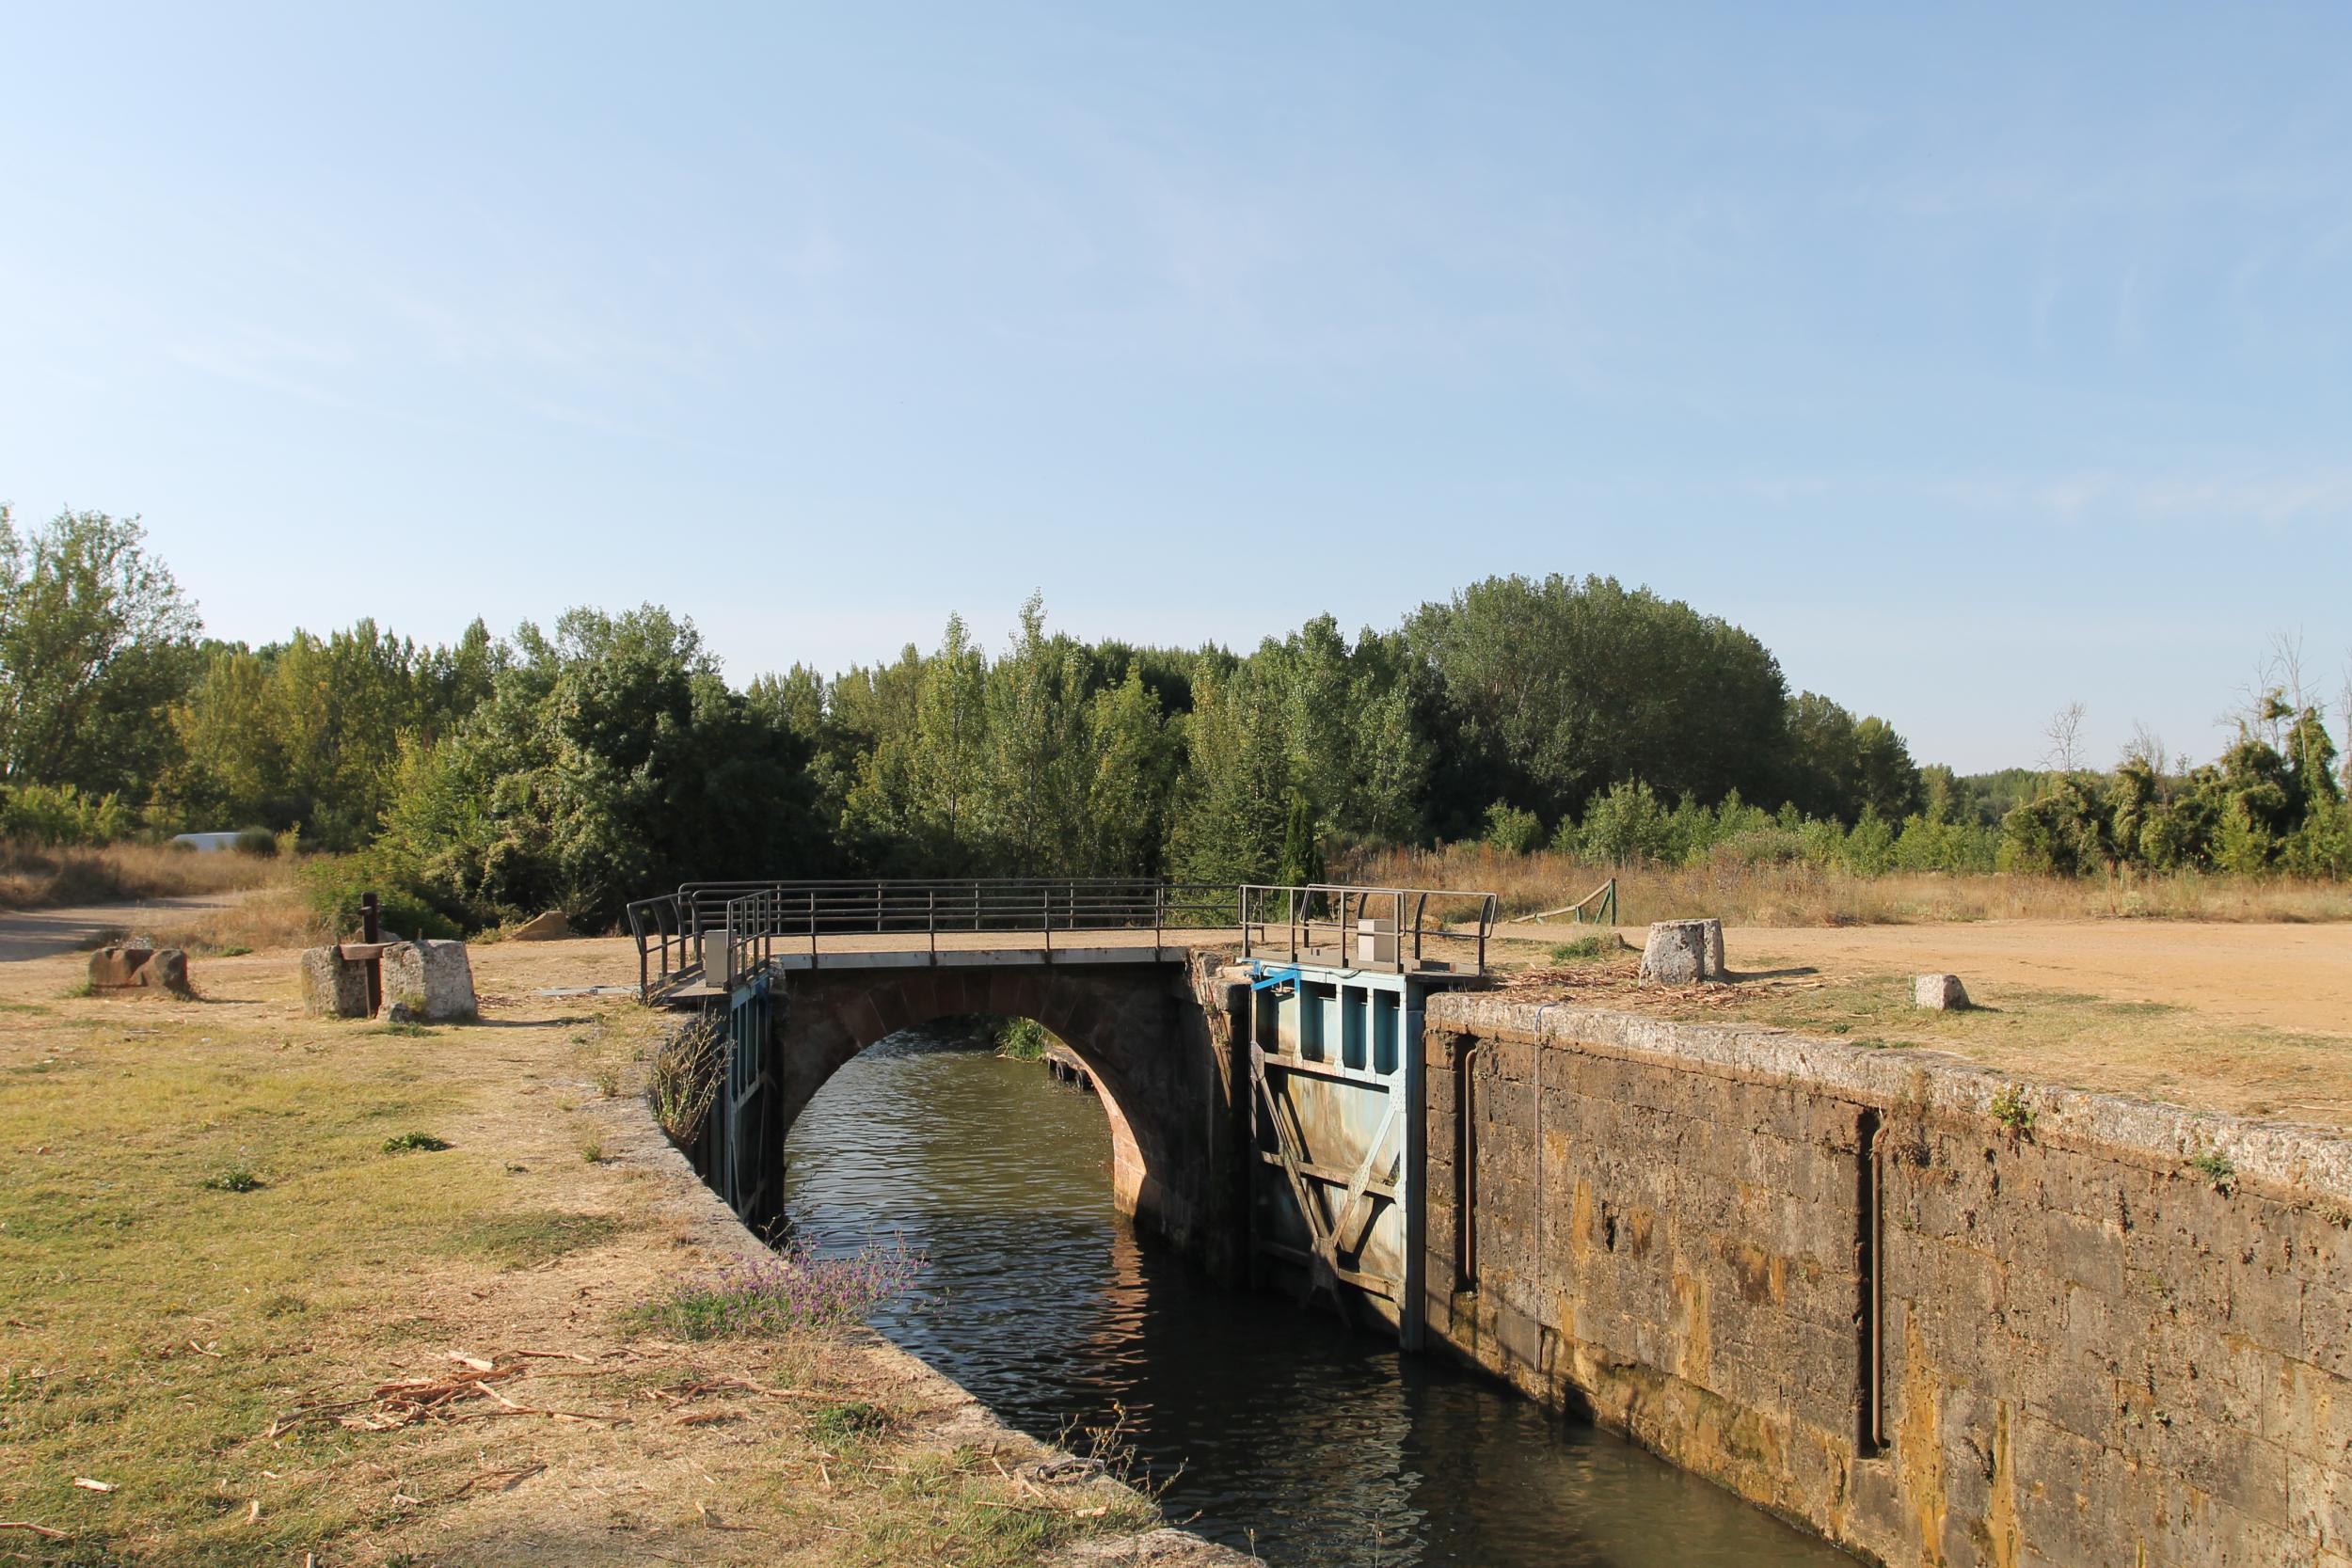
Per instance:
(1156,1039)
(2117,1334)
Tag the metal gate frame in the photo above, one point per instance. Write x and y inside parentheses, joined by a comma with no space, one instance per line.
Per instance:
(1337,1131)
(743,1164)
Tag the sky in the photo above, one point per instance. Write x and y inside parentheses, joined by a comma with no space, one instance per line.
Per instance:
(1978,363)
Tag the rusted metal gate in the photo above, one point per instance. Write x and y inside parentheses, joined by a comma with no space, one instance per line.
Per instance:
(1335,1070)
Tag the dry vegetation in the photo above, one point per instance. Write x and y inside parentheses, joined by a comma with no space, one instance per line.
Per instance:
(36,876)
(1807,896)
(245,1293)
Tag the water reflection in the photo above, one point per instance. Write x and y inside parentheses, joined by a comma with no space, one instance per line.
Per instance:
(1320,1446)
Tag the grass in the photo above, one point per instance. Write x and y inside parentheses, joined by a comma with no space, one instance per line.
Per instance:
(1588,949)
(406,1142)
(160,1328)
(1807,896)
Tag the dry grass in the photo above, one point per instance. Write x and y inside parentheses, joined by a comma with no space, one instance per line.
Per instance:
(34,876)
(1807,896)
(283,1366)
(275,916)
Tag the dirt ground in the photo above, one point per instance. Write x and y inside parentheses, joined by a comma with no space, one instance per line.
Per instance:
(2250,1019)
(2289,976)
(215,1277)
(44,933)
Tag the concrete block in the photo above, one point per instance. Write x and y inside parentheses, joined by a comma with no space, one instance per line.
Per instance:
(1940,991)
(435,980)
(1675,953)
(116,968)
(333,985)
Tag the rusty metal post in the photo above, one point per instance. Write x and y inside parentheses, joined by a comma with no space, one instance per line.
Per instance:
(372,930)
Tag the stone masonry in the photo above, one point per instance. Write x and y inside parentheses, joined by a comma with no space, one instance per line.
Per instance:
(2117,1333)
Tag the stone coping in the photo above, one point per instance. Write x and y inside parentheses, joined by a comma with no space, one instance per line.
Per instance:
(2310,1161)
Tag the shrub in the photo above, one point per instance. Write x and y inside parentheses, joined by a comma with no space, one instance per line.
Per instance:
(1511,831)
(334,885)
(1022,1039)
(62,814)
(770,1296)
(256,841)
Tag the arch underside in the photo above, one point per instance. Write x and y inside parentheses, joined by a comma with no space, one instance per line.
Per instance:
(1120,1020)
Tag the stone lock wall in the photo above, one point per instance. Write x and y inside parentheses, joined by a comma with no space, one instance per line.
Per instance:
(1939,1318)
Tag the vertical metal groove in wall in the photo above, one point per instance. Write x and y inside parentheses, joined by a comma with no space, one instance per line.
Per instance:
(1466,1169)
(1871,1276)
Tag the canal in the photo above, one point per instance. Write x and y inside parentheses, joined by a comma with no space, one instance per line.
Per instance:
(1282,1431)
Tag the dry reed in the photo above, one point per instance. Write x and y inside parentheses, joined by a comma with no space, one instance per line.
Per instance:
(36,876)
(1804,894)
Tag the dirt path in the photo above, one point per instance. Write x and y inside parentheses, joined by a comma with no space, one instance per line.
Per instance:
(44,933)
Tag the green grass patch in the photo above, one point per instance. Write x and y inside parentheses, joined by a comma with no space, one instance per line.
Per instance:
(519,1241)
(415,1142)
(236,1178)
(1588,949)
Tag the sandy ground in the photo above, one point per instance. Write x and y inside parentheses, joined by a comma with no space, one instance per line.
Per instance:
(2284,977)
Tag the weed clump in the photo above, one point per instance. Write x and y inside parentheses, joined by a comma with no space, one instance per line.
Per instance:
(419,1142)
(2011,1110)
(683,1078)
(1587,949)
(239,1177)
(2219,1170)
(767,1298)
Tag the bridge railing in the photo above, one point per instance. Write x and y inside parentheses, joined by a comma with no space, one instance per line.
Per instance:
(741,924)
(1392,929)
(722,932)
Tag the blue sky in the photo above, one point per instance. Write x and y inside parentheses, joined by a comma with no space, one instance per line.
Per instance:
(1976,364)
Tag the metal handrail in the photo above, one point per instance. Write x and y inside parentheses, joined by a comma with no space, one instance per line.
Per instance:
(725,931)
(1363,927)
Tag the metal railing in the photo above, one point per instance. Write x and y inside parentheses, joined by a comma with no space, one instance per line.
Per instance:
(1398,929)
(742,923)
(720,932)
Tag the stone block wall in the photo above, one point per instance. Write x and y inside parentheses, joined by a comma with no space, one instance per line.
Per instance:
(2105,1331)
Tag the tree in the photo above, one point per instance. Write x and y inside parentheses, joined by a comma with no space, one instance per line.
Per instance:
(610,761)
(96,644)
(1543,693)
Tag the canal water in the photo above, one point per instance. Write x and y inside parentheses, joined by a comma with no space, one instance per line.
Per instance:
(1283,1431)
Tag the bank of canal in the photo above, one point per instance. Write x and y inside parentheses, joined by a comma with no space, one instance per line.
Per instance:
(1320,1448)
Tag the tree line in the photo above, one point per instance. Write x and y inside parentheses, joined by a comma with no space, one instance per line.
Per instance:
(606,757)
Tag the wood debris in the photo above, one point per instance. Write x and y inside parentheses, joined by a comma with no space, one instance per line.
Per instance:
(404,1402)
(41,1530)
(89,1485)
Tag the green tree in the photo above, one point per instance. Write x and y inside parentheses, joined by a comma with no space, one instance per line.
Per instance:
(96,644)
(1544,692)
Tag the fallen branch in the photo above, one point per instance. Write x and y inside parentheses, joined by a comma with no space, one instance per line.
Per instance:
(41,1530)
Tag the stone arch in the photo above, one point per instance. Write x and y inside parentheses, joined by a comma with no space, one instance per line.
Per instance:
(1132,1026)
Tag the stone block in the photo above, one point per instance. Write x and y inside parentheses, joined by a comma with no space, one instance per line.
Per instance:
(434,979)
(1940,991)
(333,985)
(1675,953)
(164,968)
